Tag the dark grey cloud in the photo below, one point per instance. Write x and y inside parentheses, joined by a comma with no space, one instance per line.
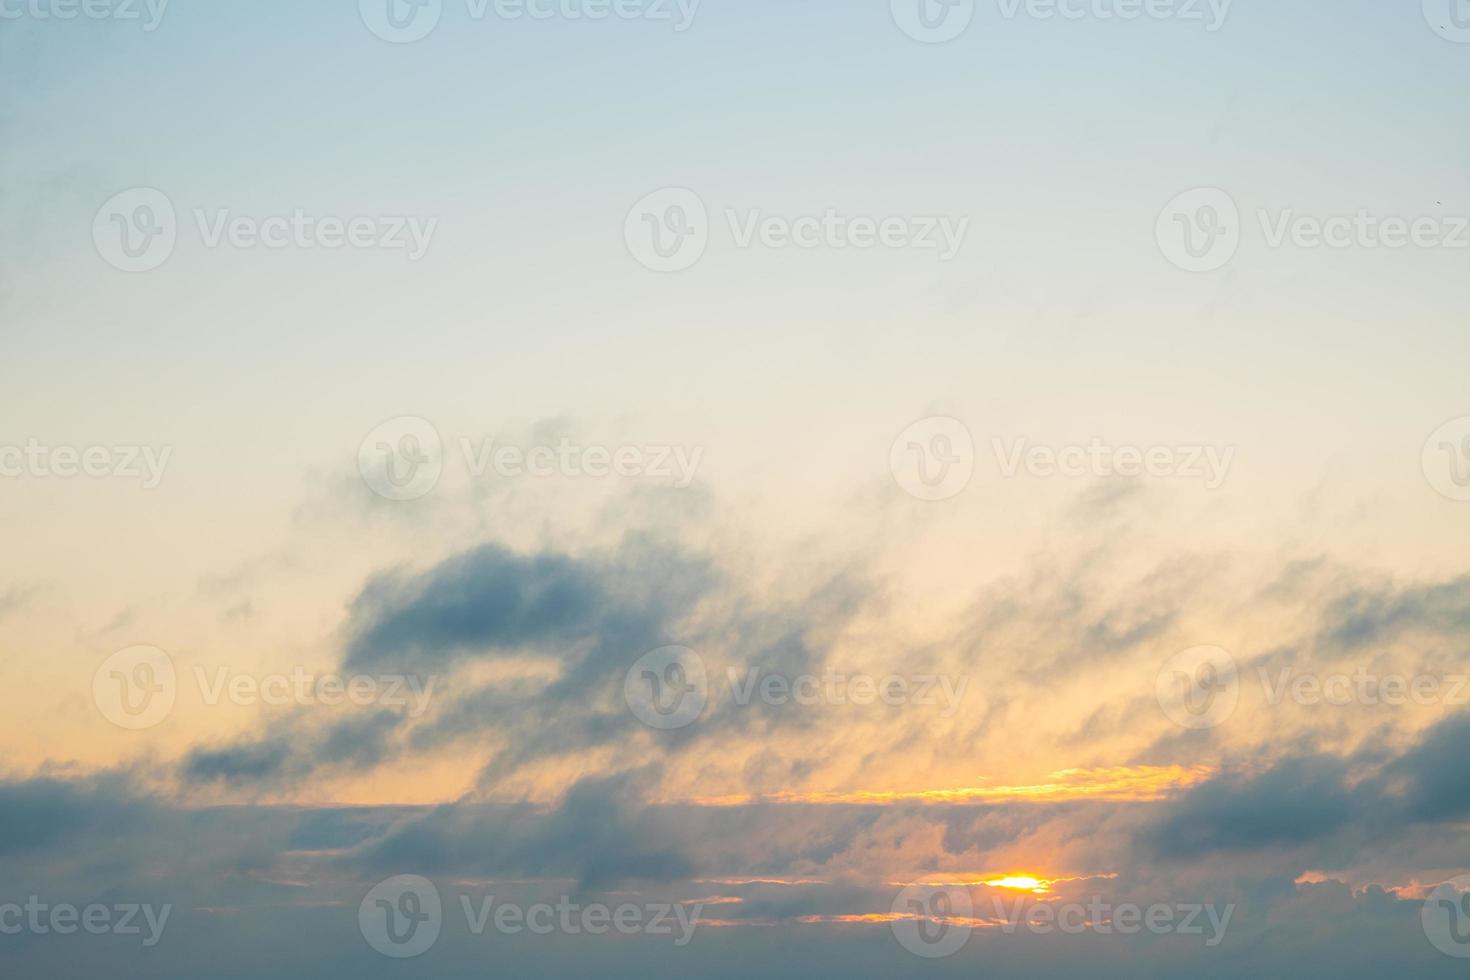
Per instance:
(1296,800)
(1367,615)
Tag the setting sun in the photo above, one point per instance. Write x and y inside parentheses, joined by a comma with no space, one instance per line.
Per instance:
(1021,883)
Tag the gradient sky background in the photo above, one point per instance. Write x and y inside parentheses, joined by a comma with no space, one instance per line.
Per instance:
(1055,600)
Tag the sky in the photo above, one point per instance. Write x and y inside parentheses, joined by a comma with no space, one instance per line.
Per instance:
(652,488)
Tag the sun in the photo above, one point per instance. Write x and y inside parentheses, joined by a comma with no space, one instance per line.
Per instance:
(1021,883)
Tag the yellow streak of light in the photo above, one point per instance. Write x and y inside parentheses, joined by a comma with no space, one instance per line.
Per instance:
(1125,784)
